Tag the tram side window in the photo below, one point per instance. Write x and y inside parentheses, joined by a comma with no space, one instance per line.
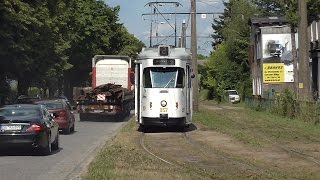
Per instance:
(147,78)
(180,79)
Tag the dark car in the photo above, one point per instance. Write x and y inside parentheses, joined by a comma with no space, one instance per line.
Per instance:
(27,99)
(28,125)
(62,112)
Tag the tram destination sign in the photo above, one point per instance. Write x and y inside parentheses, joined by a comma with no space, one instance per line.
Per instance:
(163,62)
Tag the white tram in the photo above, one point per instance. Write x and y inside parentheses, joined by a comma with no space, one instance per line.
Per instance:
(163,88)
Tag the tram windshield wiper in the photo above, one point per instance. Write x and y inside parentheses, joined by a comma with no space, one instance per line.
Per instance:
(169,82)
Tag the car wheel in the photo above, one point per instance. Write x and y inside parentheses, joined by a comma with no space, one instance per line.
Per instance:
(47,150)
(73,128)
(68,130)
(55,144)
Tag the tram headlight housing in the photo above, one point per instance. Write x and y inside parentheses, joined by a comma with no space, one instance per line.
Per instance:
(163,103)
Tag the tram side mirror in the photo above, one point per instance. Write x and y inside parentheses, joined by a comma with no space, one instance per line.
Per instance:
(193,76)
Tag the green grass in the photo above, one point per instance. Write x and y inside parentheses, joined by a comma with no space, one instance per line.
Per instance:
(257,128)
(123,158)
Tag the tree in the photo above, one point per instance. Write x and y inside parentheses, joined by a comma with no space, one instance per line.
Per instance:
(232,33)
(268,8)
(45,43)
(221,73)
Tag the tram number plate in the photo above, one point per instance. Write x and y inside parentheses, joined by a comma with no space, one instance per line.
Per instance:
(163,109)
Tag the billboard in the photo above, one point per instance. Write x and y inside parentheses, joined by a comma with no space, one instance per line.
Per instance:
(277,58)
(277,73)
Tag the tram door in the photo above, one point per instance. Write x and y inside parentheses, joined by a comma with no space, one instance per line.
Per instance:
(188,87)
(137,87)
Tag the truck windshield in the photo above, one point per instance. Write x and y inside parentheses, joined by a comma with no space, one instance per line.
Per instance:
(159,77)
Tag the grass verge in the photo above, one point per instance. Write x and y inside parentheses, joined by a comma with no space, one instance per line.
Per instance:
(250,126)
(123,158)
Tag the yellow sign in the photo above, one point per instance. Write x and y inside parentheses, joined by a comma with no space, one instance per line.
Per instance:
(273,73)
(300,85)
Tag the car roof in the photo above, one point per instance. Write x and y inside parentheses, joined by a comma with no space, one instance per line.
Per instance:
(21,106)
(28,97)
(50,101)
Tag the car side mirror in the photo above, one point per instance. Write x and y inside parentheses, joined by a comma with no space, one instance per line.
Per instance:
(53,115)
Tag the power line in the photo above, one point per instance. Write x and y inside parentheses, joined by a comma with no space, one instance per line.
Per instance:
(172,13)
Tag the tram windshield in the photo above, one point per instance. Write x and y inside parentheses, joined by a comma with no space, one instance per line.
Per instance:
(160,77)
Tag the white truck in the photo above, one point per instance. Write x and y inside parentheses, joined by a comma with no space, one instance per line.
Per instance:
(112,91)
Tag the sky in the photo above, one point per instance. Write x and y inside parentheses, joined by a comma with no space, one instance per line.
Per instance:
(133,14)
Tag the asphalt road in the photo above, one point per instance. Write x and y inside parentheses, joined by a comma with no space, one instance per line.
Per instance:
(75,153)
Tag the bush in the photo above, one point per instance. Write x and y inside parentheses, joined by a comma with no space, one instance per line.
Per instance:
(285,104)
(206,94)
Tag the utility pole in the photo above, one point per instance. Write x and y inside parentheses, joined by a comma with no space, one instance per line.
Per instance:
(304,68)
(183,34)
(151,34)
(194,55)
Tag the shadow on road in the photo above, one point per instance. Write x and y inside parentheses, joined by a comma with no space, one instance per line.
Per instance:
(10,151)
(105,118)
(164,129)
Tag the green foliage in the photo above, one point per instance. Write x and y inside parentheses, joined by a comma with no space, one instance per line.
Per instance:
(221,74)
(201,57)
(308,112)
(287,8)
(269,7)
(206,94)
(285,104)
(44,43)
(228,66)
(232,32)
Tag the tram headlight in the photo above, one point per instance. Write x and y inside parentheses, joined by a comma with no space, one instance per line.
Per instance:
(163,103)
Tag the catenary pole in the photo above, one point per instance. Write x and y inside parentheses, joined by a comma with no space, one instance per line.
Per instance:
(303,54)
(183,36)
(194,53)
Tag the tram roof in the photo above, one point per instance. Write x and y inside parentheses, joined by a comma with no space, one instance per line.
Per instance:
(152,53)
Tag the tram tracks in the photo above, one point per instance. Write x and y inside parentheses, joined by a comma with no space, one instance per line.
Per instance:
(293,152)
(228,158)
(205,164)
(289,150)
(163,159)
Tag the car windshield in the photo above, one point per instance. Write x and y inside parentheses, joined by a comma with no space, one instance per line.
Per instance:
(28,100)
(52,105)
(233,93)
(10,112)
(159,77)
